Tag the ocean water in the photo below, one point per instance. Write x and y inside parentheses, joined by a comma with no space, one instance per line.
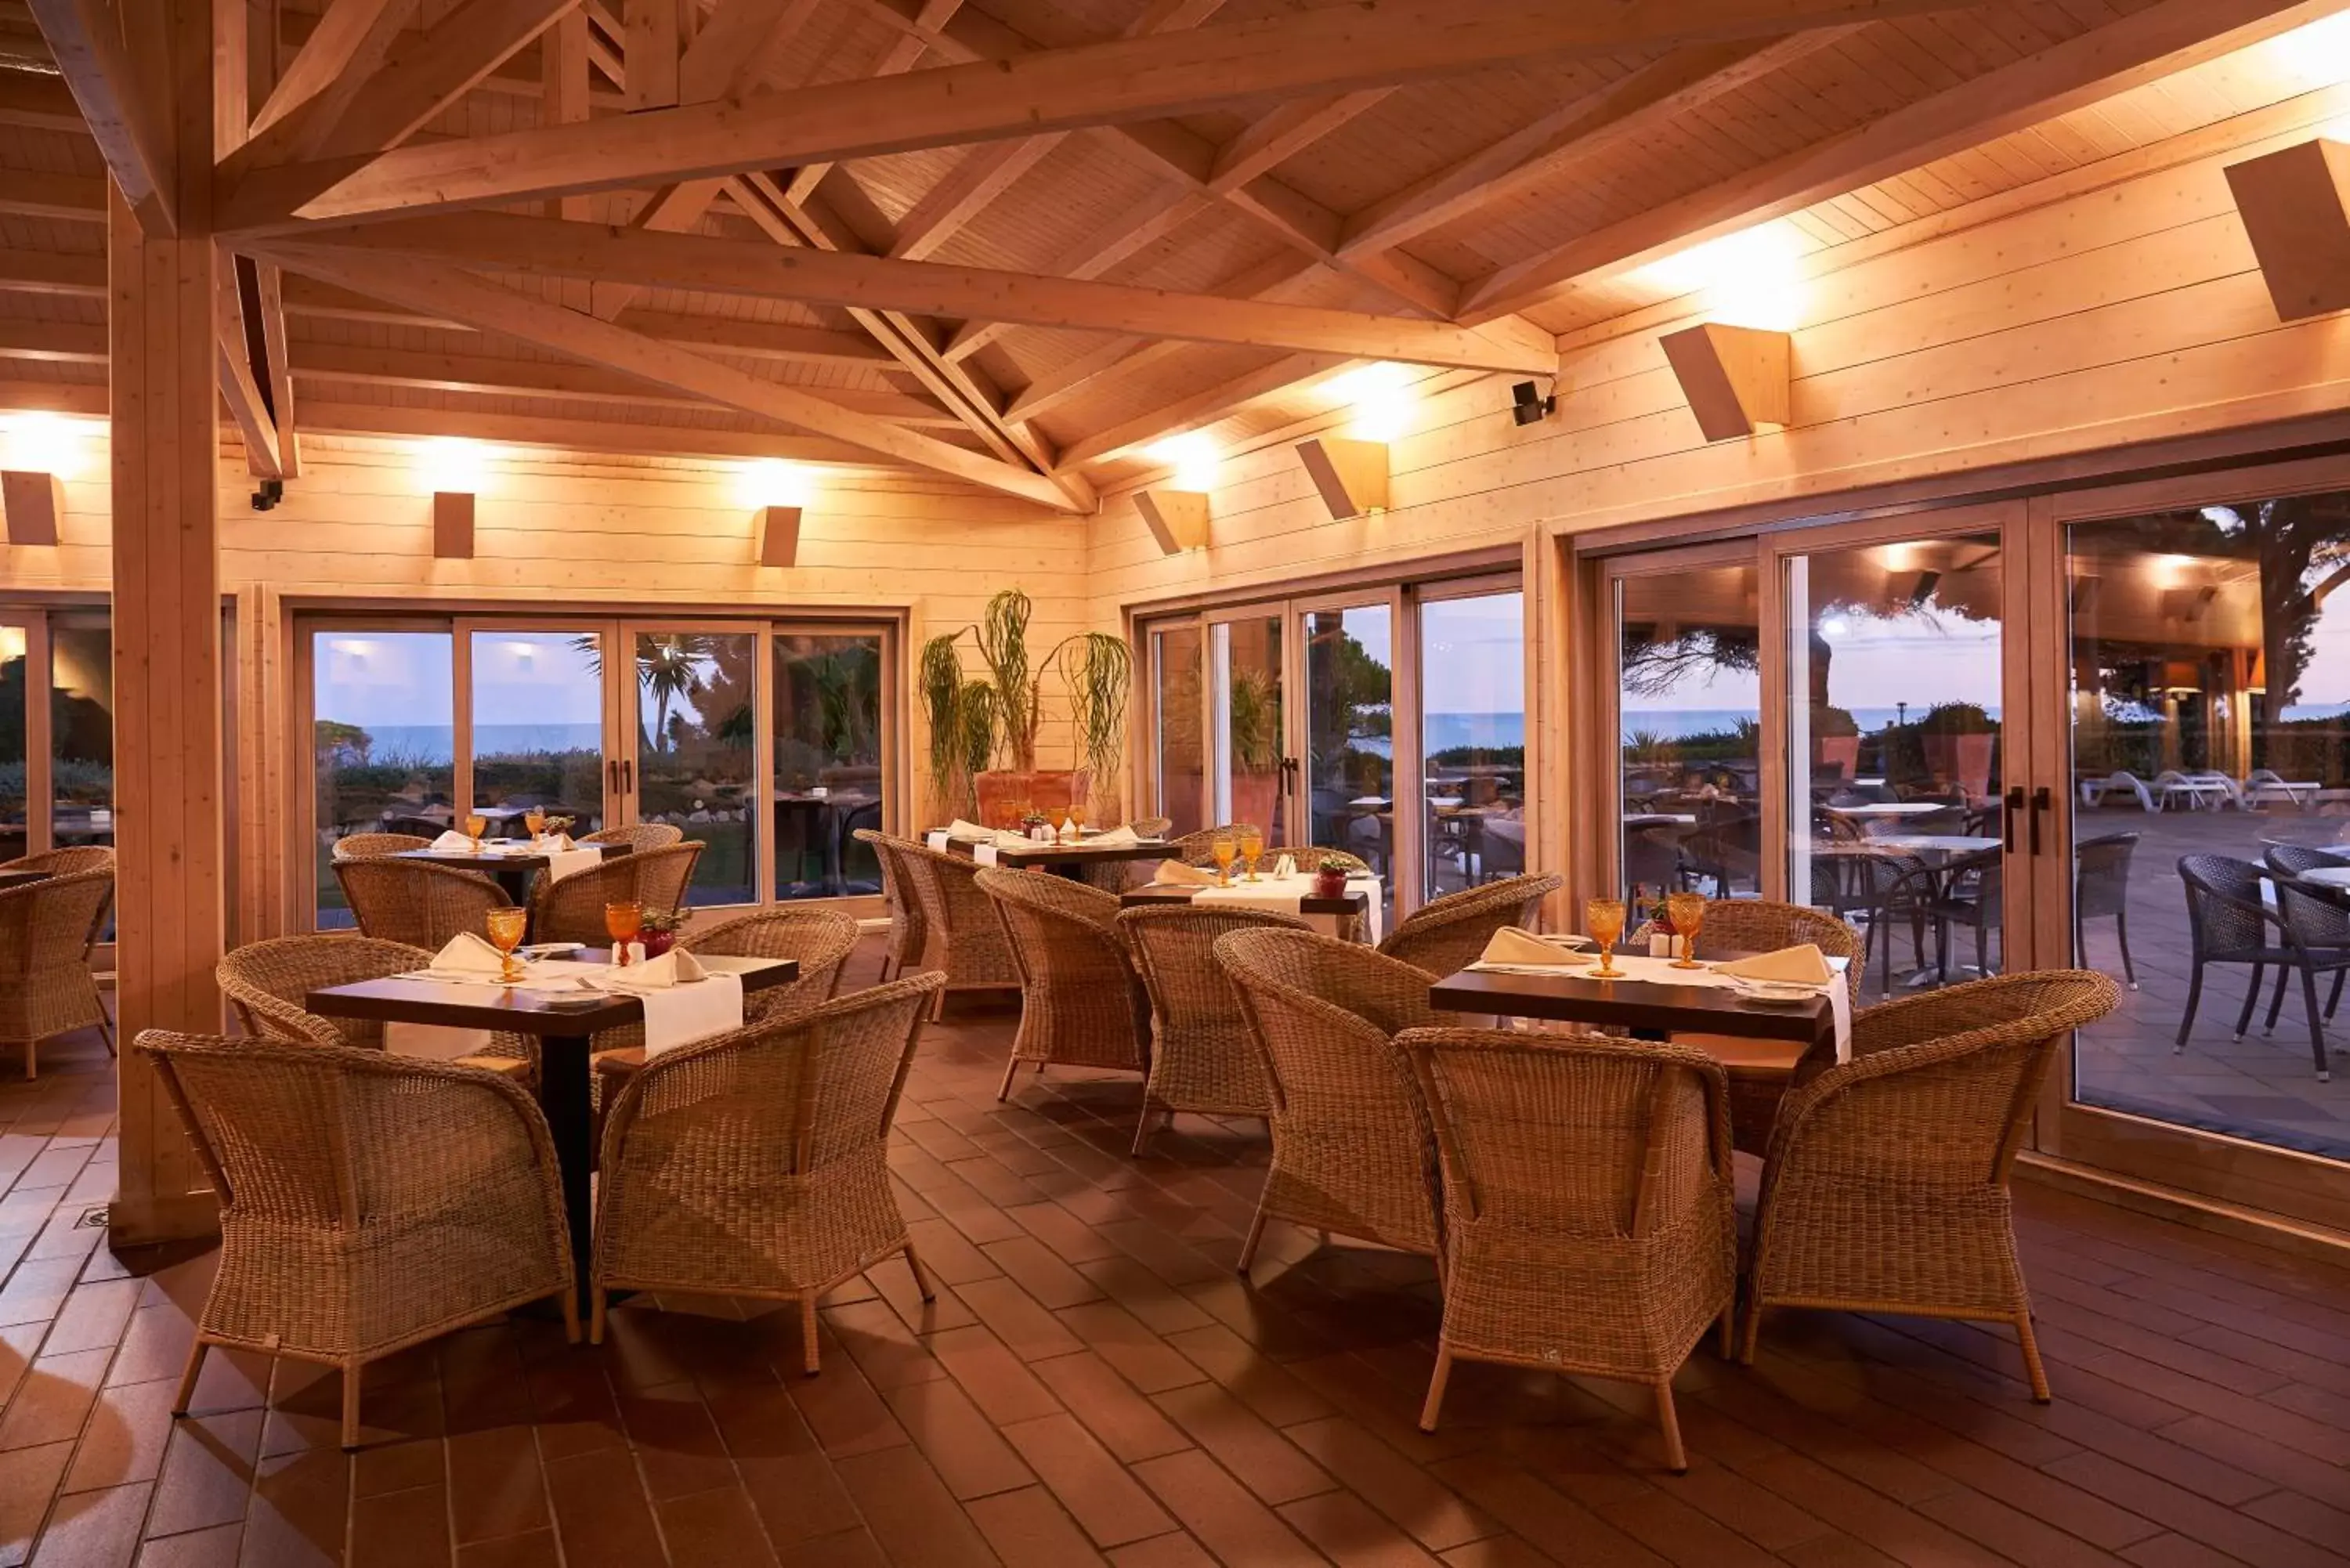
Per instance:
(1674,723)
(437,743)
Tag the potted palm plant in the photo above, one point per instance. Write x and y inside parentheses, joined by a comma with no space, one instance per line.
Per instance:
(1256,722)
(975,723)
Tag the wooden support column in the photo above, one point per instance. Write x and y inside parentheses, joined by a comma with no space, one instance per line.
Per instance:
(167,641)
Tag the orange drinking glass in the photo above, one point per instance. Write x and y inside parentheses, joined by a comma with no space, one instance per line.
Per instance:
(477,825)
(1688,912)
(1604,918)
(534,820)
(622,922)
(1222,848)
(1252,848)
(506,931)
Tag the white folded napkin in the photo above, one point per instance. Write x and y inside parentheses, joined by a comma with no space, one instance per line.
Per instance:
(1517,947)
(685,1001)
(552,844)
(1175,874)
(1803,964)
(1116,838)
(1069,828)
(1007,839)
(1286,866)
(562,863)
(453,843)
(969,832)
(466,957)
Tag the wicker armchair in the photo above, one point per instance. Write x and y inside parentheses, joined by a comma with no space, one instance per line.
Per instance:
(754,1164)
(1353,1152)
(70,861)
(267,982)
(959,923)
(1081,1004)
(1151,826)
(909,933)
(1446,935)
(639,836)
(46,985)
(1885,1188)
(367,846)
(1590,1223)
(416,903)
(820,940)
(367,1202)
(572,910)
(1202,1058)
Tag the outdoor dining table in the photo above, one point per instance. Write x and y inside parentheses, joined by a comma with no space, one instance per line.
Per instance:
(563,1023)
(1888,810)
(1934,844)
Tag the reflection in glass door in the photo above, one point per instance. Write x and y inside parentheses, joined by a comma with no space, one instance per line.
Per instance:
(2210,695)
(81,730)
(1473,740)
(383,726)
(1350,734)
(16,738)
(538,726)
(1894,750)
(1250,773)
(1690,726)
(828,761)
(696,759)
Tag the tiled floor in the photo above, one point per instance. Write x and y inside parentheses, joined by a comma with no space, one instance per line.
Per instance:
(1096,1385)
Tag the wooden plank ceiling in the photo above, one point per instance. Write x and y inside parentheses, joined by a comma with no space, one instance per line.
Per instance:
(1014,241)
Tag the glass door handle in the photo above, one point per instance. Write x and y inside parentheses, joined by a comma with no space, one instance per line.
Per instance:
(2043,802)
(2013,803)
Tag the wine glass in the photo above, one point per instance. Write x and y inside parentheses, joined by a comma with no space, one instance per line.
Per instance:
(1687,913)
(477,825)
(534,822)
(1252,848)
(1222,848)
(1604,918)
(622,922)
(506,931)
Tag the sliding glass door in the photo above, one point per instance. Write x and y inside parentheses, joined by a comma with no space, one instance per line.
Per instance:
(769,742)
(1287,715)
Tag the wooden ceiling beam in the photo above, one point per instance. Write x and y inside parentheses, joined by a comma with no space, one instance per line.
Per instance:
(126,114)
(1652,96)
(56,342)
(1141,225)
(351,38)
(65,198)
(2165,37)
(425,285)
(39,103)
(902,56)
(1323,50)
(565,434)
(234,367)
(1280,134)
(545,247)
(54,273)
(422,77)
(649,53)
(277,377)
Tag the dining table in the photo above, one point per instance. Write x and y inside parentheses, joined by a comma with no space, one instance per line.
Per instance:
(1063,859)
(1894,810)
(511,870)
(1358,908)
(563,1023)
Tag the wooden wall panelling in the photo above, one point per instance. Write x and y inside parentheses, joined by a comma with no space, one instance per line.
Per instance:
(2294,207)
(165,448)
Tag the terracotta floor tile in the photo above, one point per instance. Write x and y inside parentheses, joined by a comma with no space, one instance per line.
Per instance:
(213,1548)
(1028,1529)
(207,1474)
(961,1445)
(407,1529)
(1128,1424)
(1242,1531)
(495,1487)
(601,1512)
(992,1376)
(715,1527)
(1352,1533)
(94,1528)
(124,1438)
(1089,1482)
(28,1476)
(536,1550)
(54,1398)
(910,1512)
(676,1442)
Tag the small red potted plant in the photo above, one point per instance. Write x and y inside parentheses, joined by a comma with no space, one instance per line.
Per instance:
(660,930)
(1330,879)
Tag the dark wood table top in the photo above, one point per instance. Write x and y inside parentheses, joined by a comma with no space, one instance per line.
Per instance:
(404,999)
(1070,854)
(1354,902)
(1571,996)
(9,879)
(493,864)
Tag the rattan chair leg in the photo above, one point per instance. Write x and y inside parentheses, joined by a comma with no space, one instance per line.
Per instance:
(32,1065)
(570,1299)
(595,1315)
(1670,1422)
(351,1406)
(1436,1382)
(939,1005)
(1753,1331)
(1142,1125)
(807,1331)
(921,1275)
(2033,1369)
(187,1377)
(1256,1234)
(1003,1089)
(106,1030)
(1729,1326)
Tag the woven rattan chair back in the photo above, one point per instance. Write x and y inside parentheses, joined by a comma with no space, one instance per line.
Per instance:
(1151,826)
(966,938)
(820,940)
(70,861)
(1762,926)
(1446,935)
(367,1202)
(1352,1149)
(754,1164)
(572,910)
(414,902)
(1886,1186)
(1590,1225)
(1202,1057)
(46,984)
(637,836)
(366,846)
(1312,856)
(1081,1002)
(909,932)
(268,983)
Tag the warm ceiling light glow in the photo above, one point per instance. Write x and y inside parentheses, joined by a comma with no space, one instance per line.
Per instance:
(772,481)
(1381,397)
(43,443)
(12,643)
(1194,457)
(2316,56)
(455,463)
(1752,279)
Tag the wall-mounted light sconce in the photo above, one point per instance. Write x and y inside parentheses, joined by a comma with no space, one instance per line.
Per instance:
(453,524)
(779,535)
(2295,204)
(1528,408)
(32,503)
(1177,519)
(1736,378)
(1351,475)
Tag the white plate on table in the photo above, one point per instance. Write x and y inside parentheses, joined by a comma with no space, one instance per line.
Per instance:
(1773,991)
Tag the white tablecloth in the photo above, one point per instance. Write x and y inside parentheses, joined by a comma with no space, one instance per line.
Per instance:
(1282,895)
(674,1015)
(1660,971)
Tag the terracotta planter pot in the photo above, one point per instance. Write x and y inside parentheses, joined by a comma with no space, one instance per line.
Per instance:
(1254,796)
(1963,759)
(1006,797)
(1841,753)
